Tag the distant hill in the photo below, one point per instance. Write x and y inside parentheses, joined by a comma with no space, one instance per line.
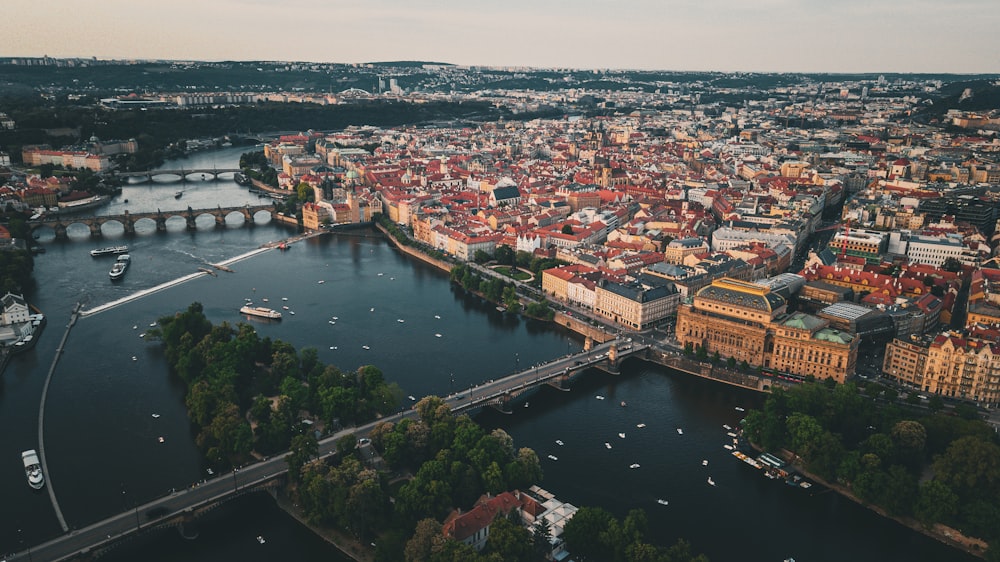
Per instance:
(985,95)
(409,63)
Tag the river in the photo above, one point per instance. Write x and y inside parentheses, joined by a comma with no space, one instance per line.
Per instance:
(102,442)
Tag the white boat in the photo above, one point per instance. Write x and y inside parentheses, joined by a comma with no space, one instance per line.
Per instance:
(320,282)
(553,457)
(662,502)
(33,469)
(437,335)
(739,409)
(142,335)
(134,358)
(365,347)
(333,347)
(292,312)
(335,317)
(624,404)
(640,425)
(731,434)
(134,326)
(261,312)
(726,427)
(160,439)
(680,431)
(155,415)
(264,299)
(607,445)
(728,447)
(380,274)
(110,250)
(559,442)
(372,309)
(622,435)
(437,317)
(599,397)
(400,320)
(284,298)
(412,398)
(120,267)
(331,322)
(152,324)
(285,307)
(710,481)
(260,539)
(704,462)
(634,465)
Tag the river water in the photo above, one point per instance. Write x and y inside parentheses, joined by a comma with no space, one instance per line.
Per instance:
(101,440)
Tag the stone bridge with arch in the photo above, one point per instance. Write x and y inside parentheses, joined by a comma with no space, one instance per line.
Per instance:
(59,224)
(205,174)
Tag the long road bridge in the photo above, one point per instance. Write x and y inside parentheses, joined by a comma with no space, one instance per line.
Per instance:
(182,506)
(60,223)
(165,176)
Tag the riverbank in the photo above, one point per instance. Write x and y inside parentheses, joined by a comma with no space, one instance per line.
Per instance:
(414,253)
(349,546)
(942,533)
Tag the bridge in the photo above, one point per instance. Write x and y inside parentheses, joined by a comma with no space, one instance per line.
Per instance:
(60,223)
(183,506)
(204,174)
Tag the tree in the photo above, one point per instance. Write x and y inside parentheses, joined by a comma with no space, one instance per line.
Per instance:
(567,229)
(731,362)
(426,536)
(971,467)
(952,264)
(304,448)
(935,503)
(481,257)
(510,540)
(583,533)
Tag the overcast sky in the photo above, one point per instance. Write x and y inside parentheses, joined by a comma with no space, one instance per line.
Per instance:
(958,36)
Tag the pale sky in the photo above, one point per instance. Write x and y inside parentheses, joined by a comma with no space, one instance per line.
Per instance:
(959,36)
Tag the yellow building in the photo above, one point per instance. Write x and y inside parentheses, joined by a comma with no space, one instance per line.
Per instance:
(950,365)
(748,322)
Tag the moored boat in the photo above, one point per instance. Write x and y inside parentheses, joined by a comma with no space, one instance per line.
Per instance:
(260,312)
(33,469)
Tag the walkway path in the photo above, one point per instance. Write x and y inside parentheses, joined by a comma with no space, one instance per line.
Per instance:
(41,418)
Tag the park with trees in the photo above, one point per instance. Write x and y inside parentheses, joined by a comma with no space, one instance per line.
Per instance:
(924,464)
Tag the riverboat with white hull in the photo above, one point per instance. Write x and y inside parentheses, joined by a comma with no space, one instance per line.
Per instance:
(120,267)
(33,469)
(109,251)
(260,312)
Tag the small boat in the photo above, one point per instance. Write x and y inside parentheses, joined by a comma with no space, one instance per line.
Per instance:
(710,481)
(392,279)
(662,502)
(372,309)
(335,318)
(634,465)
(285,307)
(640,425)
(155,415)
(739,409)
(142,335)
(559,442)
(680,431)
(607,445)
(365,347)
(152,324)
(553,457)
(178,194)
(726,427)
(436,317)
(380,274)
(804,484)
(264,299)
(320,282)
(110,250)
(331,322)
(599,397)
(284,298)
(400,320)
(622,435)
(292,312)
(33,469)
(704,462)
(731,434)
(526,404)
(160,439)
(624,404)
(728,447)
(412,398)
(134,326)
(134,358)
(437,335)
(260,539)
